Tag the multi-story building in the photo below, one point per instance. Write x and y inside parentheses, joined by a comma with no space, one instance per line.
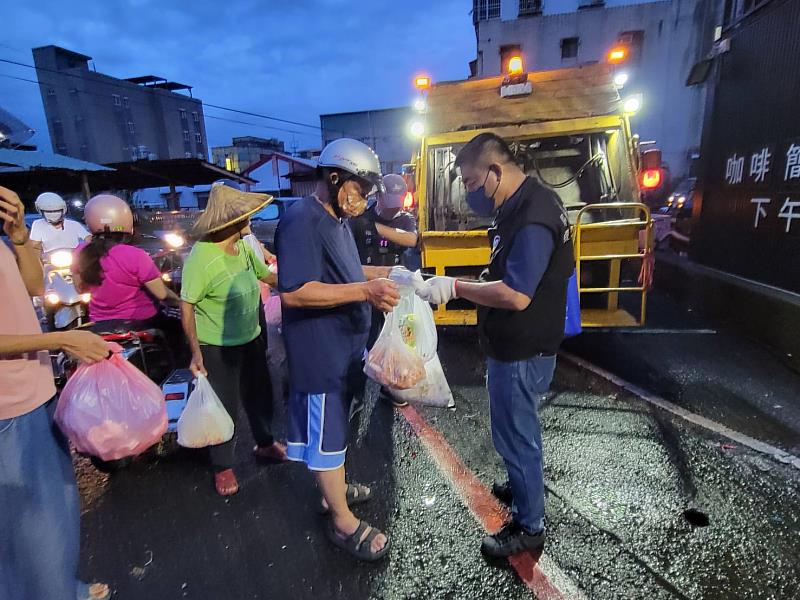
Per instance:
(384,130)
(664,39)
(102,119)
(243,152)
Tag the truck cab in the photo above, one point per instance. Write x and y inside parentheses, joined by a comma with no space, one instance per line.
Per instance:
(569,129)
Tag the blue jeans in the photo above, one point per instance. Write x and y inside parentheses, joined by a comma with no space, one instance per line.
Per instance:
(515,389)
(39,514)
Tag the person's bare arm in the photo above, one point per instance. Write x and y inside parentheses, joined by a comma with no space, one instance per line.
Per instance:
(78,282)
(271,279)
(372,272)
(162,292)
(381,293)
(84,345)
(190,330)
(495,294)
(12,216)
(407,239)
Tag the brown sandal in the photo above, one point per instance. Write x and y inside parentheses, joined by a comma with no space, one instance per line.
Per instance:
(225,482)
(275,453)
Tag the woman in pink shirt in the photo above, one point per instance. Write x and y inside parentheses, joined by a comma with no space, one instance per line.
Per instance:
(123,280)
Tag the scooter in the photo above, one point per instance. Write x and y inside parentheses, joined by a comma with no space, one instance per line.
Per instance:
(64,307)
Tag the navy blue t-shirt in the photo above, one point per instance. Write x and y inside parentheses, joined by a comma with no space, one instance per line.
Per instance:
(531,250)
(323,346)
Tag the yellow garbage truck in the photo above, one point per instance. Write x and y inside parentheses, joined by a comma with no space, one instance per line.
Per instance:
(569,128)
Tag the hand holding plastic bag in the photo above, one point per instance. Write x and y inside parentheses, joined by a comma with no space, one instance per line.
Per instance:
(204,421)
(111,409)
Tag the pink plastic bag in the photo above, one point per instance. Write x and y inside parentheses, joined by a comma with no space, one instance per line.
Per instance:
(272,310)
(111,409)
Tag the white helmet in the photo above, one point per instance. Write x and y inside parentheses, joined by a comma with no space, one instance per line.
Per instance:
(51,206)
(353,157)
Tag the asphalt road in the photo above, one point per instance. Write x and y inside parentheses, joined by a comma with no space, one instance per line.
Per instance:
(641,504)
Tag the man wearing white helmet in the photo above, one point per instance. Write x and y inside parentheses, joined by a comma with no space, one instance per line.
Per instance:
(326,295)
(54,231)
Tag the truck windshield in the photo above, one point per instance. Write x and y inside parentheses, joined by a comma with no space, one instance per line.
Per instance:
(576,167)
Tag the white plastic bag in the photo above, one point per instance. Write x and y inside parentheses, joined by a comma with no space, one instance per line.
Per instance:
(416,323)
(391,362)
(204,421)
(433,390)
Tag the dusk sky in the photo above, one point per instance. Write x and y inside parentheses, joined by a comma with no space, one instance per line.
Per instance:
(294,60)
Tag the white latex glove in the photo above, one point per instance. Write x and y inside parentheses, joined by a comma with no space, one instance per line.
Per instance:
(439,290)
(405,278)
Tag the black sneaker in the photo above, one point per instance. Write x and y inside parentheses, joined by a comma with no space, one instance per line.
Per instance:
(502,491)
(510,540)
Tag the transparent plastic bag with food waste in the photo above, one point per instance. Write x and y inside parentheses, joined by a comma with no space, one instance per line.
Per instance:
(111,409)
(391,362)
(416,323)
(433,390)
(204,421)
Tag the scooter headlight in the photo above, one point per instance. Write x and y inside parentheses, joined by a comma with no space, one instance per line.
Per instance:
(61,259)
(52,298)
(174,240)
(85,298)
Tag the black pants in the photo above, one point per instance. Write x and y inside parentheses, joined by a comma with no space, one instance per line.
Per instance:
(239,376)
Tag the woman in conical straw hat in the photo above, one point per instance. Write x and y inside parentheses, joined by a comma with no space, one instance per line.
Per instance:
(220,294)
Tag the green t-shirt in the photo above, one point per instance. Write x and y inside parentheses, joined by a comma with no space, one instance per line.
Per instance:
(225,291)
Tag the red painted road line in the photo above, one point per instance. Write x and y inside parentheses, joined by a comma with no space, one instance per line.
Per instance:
(479,500)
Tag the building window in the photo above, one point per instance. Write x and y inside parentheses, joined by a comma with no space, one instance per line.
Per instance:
(483,10)
(187,155)
(529,8)
(569,47)
(131,127)
(117,100)
(198,138)
(182,112)
(185,135)
(51,92)
(634,42)
(506,53)
(125,102)
(196,117)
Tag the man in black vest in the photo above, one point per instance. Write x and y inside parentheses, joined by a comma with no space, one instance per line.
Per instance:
(521,309)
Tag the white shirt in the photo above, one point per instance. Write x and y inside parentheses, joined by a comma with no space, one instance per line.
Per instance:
(53,238)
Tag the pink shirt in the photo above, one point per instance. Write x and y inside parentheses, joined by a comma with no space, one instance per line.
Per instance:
(122,294)
(27,379)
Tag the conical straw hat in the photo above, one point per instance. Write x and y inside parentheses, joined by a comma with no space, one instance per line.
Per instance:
(227,206)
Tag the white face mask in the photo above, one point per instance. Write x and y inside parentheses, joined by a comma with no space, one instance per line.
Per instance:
(53,216)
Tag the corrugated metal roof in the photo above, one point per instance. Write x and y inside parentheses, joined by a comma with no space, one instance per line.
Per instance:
(25,160)
(586,91)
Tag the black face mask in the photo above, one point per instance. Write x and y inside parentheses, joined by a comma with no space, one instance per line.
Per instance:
(479,202)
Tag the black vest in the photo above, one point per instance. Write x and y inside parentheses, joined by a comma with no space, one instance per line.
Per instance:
(373,249)
(510,335)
